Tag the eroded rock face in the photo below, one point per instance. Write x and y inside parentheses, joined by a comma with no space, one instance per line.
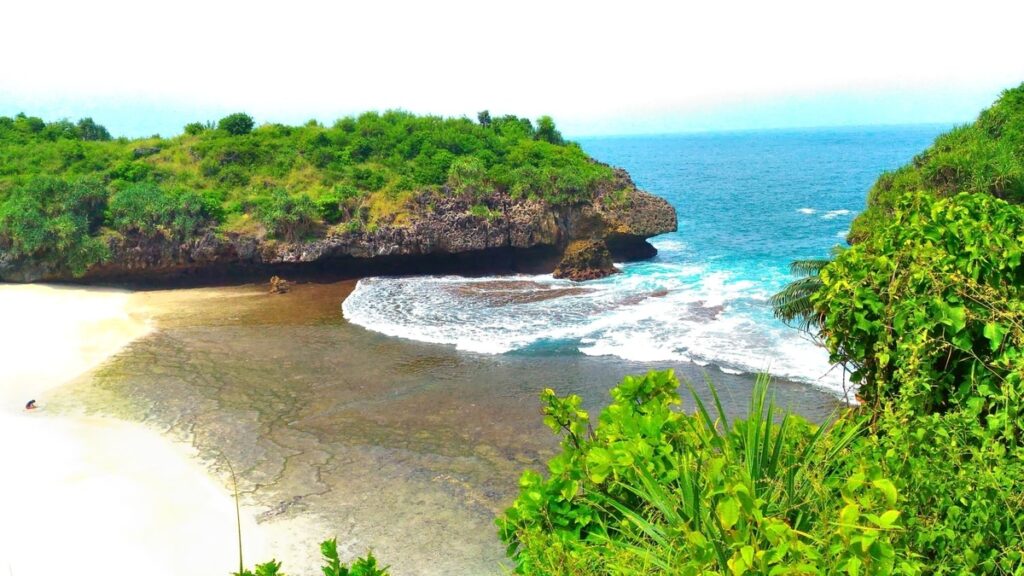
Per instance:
(620,215)
(586,260)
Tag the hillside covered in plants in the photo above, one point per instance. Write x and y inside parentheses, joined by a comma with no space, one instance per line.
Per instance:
(984,157)
(74,201)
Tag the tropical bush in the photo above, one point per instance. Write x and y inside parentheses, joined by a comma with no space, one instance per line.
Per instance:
(928,310)
(147,211)
(54,222)
(288,217)
(651,490)
(236,124)
(962,505)
(87,129)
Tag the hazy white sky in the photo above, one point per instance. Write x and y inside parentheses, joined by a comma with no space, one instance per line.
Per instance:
(598,68)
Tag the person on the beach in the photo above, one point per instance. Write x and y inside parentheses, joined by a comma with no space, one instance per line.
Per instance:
(30,405)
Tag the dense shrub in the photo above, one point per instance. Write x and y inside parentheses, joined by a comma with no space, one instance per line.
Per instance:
(236,124)
(928,310)
(288,217)
(547,132)
(148,211)
(54,221)
(195,128)
(23,129)
(962,505)
(467,175)
(650,490)
(90,130)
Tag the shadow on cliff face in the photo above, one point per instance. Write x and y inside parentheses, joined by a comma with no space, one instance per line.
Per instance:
(409,449)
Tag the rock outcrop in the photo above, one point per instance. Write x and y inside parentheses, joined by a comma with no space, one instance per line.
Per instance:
(586,260)
(438,229)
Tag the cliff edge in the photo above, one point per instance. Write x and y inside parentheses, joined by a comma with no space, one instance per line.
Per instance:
(393,193)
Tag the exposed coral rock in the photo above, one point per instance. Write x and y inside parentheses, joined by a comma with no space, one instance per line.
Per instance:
(586,260)
(144,151)
(279,285)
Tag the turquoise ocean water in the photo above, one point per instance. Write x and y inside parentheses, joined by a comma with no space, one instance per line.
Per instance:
(748,204)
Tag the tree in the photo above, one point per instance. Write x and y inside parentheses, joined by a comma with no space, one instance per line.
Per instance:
(90,130)
(467,175)
(194,128)
(793,303)
(236,124)
(547,132)
(484,117)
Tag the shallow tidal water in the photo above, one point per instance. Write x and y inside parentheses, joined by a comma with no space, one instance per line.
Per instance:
(405,448)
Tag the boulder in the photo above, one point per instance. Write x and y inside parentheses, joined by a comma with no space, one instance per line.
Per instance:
(279,285)
(586,260)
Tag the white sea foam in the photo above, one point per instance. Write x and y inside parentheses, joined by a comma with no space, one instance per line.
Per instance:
(833,214)
(668,245)
(655,312)
(806,210)
(843,234)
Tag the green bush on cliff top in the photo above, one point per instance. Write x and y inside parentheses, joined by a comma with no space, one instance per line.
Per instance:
(985,157)
(360,171)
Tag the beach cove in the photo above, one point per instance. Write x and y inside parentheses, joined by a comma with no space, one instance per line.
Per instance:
(403,448)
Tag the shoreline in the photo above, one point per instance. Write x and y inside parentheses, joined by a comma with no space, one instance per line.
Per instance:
(323,420)
(117,497)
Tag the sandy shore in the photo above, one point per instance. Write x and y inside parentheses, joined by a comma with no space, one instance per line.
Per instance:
(89,494)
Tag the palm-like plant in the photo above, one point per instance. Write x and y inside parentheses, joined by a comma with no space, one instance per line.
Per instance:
(793,304)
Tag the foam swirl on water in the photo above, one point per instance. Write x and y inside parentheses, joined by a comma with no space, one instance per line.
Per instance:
(653,312)
(748,205)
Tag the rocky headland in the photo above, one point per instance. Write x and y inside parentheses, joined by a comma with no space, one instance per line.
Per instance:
(441,234)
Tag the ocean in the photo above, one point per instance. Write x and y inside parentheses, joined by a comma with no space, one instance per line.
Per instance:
(749,203)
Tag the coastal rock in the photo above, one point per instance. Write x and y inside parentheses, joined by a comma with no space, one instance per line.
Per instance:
(441,228)
(586,260)
(144,151)
(279,285)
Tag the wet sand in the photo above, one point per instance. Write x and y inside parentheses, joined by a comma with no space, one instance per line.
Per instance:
(407,449)
(89,493)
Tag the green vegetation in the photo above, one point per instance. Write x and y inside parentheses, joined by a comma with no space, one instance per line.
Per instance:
(986,157)
(332,565)
(54,220)
(793,303)
(651,490)
(287,182)
(925,310)
(928,311)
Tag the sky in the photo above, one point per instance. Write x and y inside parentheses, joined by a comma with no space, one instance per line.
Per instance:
(598,68)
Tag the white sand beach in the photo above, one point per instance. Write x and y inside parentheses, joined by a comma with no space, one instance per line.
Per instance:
(95,495)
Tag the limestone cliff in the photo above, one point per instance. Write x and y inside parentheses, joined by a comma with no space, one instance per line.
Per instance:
(442,233)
